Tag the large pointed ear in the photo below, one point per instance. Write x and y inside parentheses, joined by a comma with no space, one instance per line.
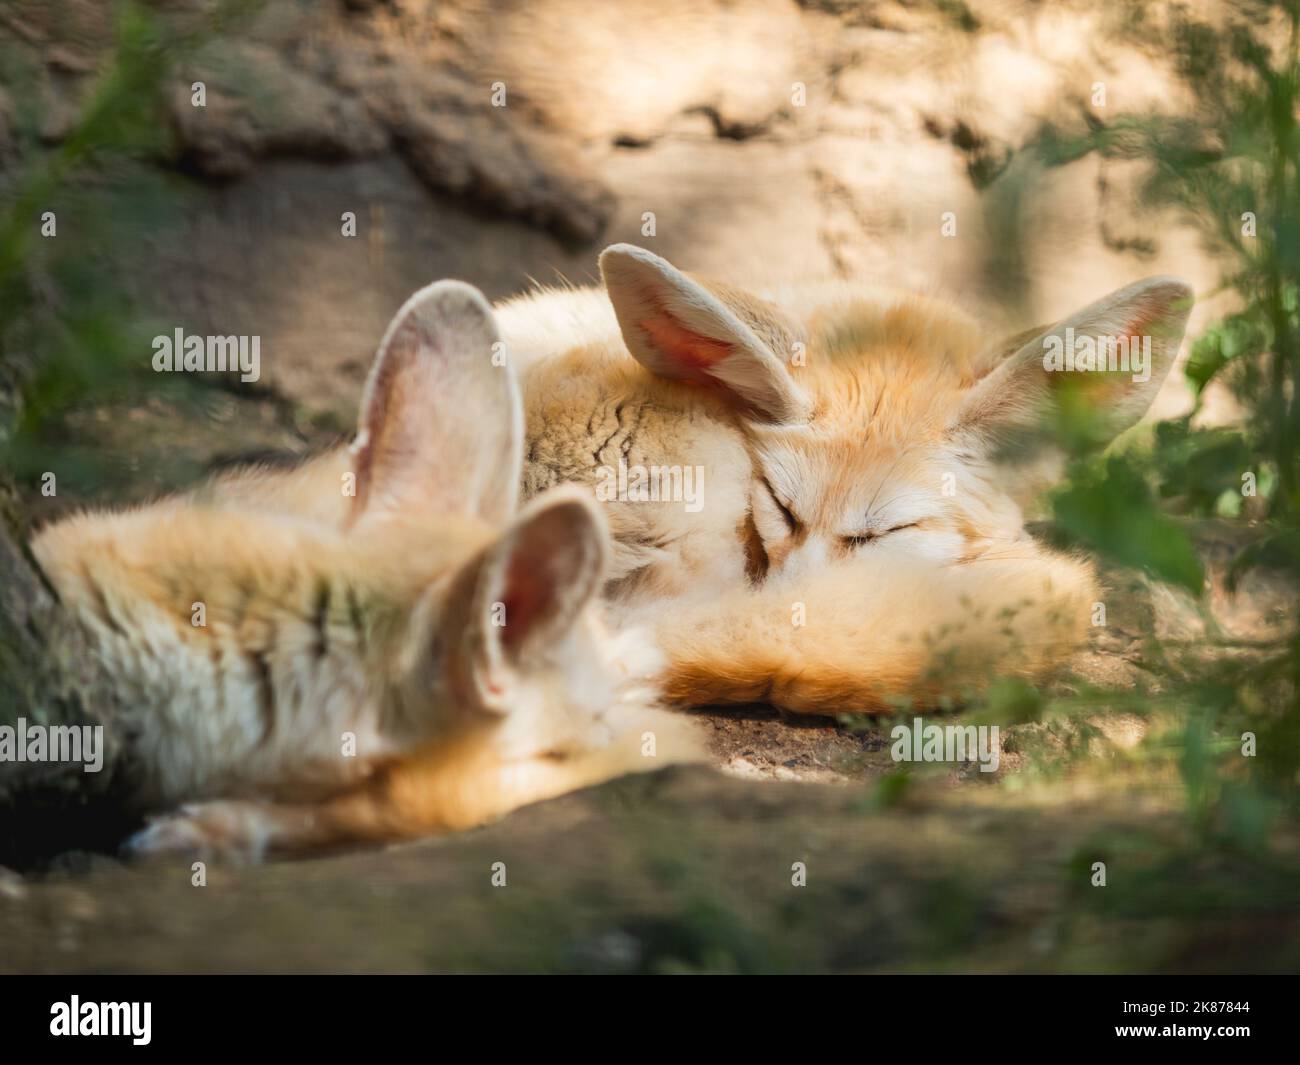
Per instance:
(1111,356)
(517,602)
(441,423)
(676,327)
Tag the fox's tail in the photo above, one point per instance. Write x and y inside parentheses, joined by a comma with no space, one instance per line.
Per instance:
(861,634)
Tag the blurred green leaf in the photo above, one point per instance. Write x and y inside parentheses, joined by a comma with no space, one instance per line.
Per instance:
(1109,508)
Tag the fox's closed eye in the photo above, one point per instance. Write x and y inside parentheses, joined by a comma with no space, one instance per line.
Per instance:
(869,537)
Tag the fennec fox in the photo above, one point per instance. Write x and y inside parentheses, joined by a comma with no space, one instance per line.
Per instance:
(395,654)
(856,530)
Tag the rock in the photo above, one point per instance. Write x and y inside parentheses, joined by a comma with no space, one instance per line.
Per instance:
(526,174)
(258,106)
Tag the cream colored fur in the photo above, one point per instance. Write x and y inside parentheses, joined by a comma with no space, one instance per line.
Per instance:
(375,646)
(874,418)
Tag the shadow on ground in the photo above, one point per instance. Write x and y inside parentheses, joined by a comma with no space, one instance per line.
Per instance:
(688,870)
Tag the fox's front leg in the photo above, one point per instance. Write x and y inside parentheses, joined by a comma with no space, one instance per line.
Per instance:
(461,781)
(247,830)
(457,783)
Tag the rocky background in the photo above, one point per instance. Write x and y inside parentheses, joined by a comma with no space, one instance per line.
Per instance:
(767,138)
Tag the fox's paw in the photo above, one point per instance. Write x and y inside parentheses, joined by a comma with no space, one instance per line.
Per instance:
(235,831)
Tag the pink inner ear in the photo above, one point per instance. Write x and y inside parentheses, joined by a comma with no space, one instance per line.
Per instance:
(691,353)
(382,419)
(1141,323)
(528,595)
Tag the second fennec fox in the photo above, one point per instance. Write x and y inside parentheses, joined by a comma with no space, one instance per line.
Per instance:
(306,674)
(810,487)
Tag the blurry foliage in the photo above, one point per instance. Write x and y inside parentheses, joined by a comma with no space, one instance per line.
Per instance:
(1201,470)
(1233,158)
(1110,507)
(69,336)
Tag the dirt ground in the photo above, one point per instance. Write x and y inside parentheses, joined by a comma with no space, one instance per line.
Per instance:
(690,870)
(380,112)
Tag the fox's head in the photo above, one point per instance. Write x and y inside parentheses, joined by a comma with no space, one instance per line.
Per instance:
(500,630)
(883,424)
